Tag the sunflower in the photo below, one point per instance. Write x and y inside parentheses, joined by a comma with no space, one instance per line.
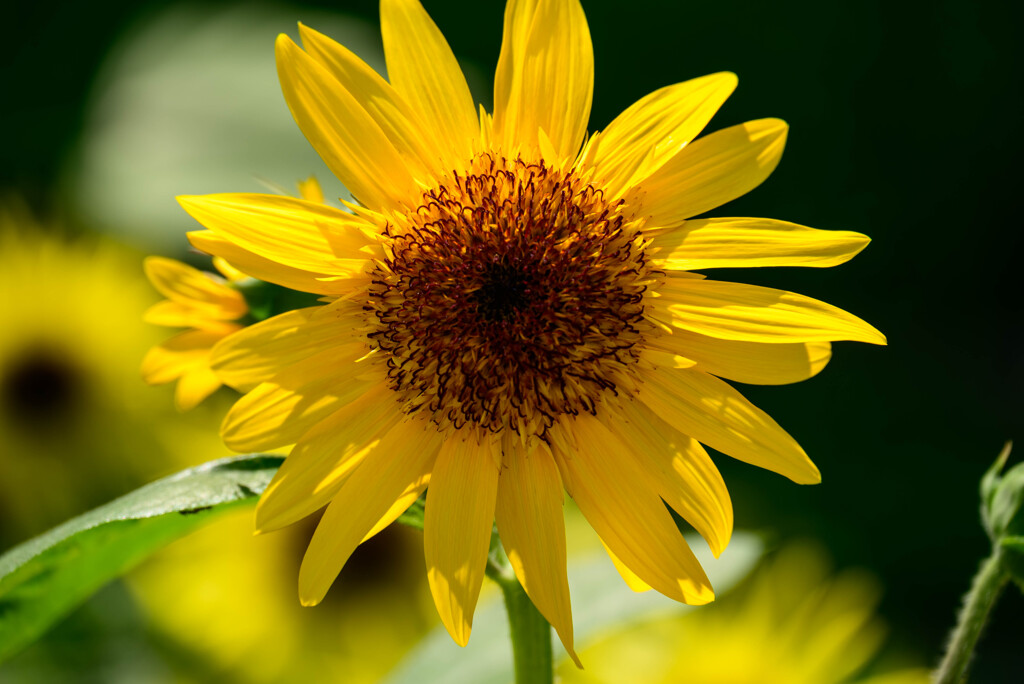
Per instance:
(74,415)
(210,305)
(794,623)
(511,311)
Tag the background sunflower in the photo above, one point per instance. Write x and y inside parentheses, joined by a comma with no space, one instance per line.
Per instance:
(74,418)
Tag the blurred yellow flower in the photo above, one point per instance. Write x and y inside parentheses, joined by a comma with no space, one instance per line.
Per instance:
(207,305)
(512,311)
(77,425)
(793,623)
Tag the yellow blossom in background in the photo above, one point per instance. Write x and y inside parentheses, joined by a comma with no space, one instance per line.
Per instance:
(207,305)
(512,312)
(793,623)
(77,425)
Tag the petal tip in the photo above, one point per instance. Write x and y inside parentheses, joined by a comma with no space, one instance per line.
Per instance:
(312,585)
(194,236)
(812,477)
(728,78)
(720,543)
(459,630)
(283,45)
(699,595)
(872,335)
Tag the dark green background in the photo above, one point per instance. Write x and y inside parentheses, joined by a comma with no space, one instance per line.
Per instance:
(906,125)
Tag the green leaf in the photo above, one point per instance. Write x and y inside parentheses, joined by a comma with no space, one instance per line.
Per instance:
(600,600)
(989,486)
(45,578)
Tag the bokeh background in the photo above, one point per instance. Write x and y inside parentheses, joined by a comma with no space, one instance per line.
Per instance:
(905,125)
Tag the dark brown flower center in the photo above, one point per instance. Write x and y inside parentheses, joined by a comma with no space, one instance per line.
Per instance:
(512,294)
(504,292)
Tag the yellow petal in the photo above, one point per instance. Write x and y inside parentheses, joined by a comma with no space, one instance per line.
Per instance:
(423,69)
(203,292)
(545,76)
(194,386)
(748,313)
(623,507)
(683,472)
(486,127)
(404,457)
(178,315)
(258,352)
(400,122)
(745,242)
(280,411)
(285,230)
(754,363)
(348,140)
(709,410)
(227,270)
(401,505)
(667,359)
(656,127)
(264,268)
(711,171)
(628,576)
(310,189)
(325,456)
(457,526)
(178,355)
(529,516)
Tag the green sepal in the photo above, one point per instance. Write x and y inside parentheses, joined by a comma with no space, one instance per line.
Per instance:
(1002,496)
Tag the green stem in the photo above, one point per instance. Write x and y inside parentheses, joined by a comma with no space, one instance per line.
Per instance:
(985,589)
(531,633)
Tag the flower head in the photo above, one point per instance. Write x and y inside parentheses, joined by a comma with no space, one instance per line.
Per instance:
(511,311)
